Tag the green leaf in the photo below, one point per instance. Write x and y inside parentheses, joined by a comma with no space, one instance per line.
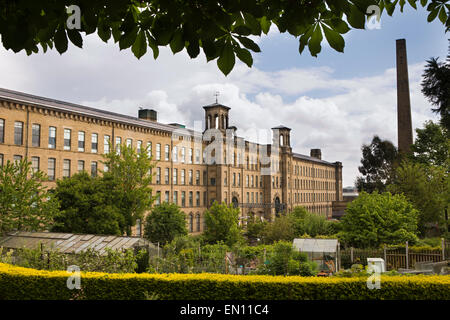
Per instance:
(104,31)
(152,43)
(423,2)
(265,24)
(210,50)
(390,7)
(249,44)
(177,43)
(304,39)
(339,25)
(75,37)
(442,15)
(139,47)
(226,60)
(61,42)
(44,46)
(245,56)
(127,39)
(252,23)
(433,14)
(412,3)
(193,49)
(402,4)
(334,39)
(314,42)
(356,18)
(242,30)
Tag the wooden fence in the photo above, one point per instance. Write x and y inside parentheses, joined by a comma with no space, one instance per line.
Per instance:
(395,258)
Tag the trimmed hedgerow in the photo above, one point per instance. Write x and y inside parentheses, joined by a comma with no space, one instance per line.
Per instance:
(24,283)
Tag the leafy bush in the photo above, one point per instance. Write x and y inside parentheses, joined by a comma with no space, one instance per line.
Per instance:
(164,223)
(377,218)
(22,283)
(285,260)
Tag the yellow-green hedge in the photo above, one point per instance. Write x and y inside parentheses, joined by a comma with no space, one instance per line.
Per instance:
(24,283)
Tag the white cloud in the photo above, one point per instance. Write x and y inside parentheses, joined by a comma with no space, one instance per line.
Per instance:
(346,114)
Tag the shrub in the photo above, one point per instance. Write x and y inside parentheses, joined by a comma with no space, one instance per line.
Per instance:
(374,219)
(24,284)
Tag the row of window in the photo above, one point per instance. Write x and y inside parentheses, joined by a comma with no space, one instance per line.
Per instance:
(197,222)
(312,172)
(312,184)
(313,197)
(51,166)
(182,201)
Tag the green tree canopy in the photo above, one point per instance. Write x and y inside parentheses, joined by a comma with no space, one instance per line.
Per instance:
(222,224)
(379,218)
(131,175)
(281,229)
(222,29)
(164,223)
(88,206)
(432,145)
(436,87)
(427,188)
(376,165)
(25,203)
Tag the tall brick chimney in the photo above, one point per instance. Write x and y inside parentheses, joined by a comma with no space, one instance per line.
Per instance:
(404,124)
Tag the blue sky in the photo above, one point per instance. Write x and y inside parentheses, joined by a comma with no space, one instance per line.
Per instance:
(366,51)
(335,102)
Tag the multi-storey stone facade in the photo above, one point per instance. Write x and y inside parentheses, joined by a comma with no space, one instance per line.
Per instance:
(193,168)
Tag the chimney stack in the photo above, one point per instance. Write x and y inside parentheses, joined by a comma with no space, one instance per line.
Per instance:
(404,124)
(148,114)
(316,153)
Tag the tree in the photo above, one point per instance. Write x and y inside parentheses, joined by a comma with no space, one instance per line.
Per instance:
(305,222)
(25,203)
(222,28)
(427,188)
(88,206)
(164,223)
(379,218)
(131,177)
(436,87)
(377,164)
(222,224)
(432,145)
(255,230)
(282,229)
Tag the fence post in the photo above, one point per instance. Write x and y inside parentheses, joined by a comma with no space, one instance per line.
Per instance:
(443,248)
(157,261)
(407,255)
(338,258)
(351,254)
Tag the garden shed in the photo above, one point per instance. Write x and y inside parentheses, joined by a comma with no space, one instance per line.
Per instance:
(70,242)
(325,252)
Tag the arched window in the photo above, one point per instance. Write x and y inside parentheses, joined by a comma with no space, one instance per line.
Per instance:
(197,217)
(281,140)
(216,121)
(208,124)
(191,223)
(277,205)
(235,202)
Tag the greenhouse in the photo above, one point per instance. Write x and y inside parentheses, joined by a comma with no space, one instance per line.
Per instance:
(324,252)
